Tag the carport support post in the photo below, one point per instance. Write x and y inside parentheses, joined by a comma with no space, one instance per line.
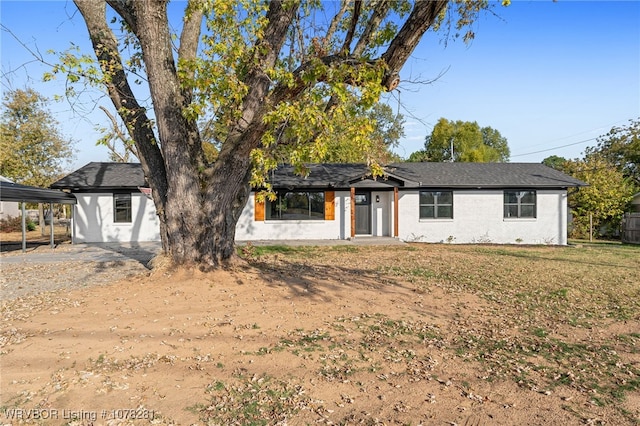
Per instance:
(51,223)
(24,227)
(353,212)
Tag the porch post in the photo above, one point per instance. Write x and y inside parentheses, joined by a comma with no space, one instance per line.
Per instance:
(353,212)
(395,212)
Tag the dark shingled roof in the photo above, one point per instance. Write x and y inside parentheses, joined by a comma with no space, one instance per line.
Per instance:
(484,175)
(319,176)
(104,176)
(430,175)
(407,175)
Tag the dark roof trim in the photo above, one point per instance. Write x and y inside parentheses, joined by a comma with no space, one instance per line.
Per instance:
(31,194)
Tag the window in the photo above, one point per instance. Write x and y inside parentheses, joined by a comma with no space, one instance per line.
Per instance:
(296,206)
(519,204)
(122,208)
(436,205)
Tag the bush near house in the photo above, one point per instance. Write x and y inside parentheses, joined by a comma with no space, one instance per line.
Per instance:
(14,224)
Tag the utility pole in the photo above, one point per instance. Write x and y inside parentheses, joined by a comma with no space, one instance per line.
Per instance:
(451,149)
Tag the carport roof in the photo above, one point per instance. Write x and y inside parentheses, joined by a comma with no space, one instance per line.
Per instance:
(10,191)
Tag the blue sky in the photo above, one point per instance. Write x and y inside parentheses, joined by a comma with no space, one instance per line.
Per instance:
(550,76)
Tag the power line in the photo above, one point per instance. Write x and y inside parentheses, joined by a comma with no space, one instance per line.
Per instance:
(554,148)
(606,126)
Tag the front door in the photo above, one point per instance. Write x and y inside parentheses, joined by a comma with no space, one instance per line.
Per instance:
(363,212)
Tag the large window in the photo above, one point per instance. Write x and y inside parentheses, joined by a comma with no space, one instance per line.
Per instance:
(296,206)
(122,208)
(519,204)
(436,205)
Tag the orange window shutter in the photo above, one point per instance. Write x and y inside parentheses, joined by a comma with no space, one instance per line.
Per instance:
(329,205)
(259,211)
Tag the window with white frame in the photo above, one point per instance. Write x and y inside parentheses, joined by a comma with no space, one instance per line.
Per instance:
(436,205)
(296,205)
(520,204)
(122,208)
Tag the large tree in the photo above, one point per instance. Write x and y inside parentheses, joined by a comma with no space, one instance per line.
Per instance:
(601,204)
(621,147)
(555,162)
(387,129)
(275,79)
(32,149)
(470,143)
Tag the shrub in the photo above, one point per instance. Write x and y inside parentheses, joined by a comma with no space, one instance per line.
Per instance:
(14,224)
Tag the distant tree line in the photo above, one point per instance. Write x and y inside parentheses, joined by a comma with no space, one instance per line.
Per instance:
(463,141)
(612,170)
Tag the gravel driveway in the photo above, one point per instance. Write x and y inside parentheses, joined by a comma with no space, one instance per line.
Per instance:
(70,267)
(73,266)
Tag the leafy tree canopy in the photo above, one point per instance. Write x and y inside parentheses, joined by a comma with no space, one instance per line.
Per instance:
(470,142)
(606,198)
(387,129)
(32,149)
(281,81)
(555,162)
(621,147)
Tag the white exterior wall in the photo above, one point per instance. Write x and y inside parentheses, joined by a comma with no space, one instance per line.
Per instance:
(249,229)
(9,209)
(93,220)
(478,218)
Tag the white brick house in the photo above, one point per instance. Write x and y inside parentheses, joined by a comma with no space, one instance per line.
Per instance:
(504,203)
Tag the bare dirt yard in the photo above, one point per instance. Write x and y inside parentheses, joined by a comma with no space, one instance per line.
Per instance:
(413,334)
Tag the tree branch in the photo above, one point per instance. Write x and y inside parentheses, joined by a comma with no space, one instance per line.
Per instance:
(279,18)
(133,115)
(189,38)
(125,10)
(379,12)
(346,47)
(178,133)
(120,135)
(422,16)
(334,23)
